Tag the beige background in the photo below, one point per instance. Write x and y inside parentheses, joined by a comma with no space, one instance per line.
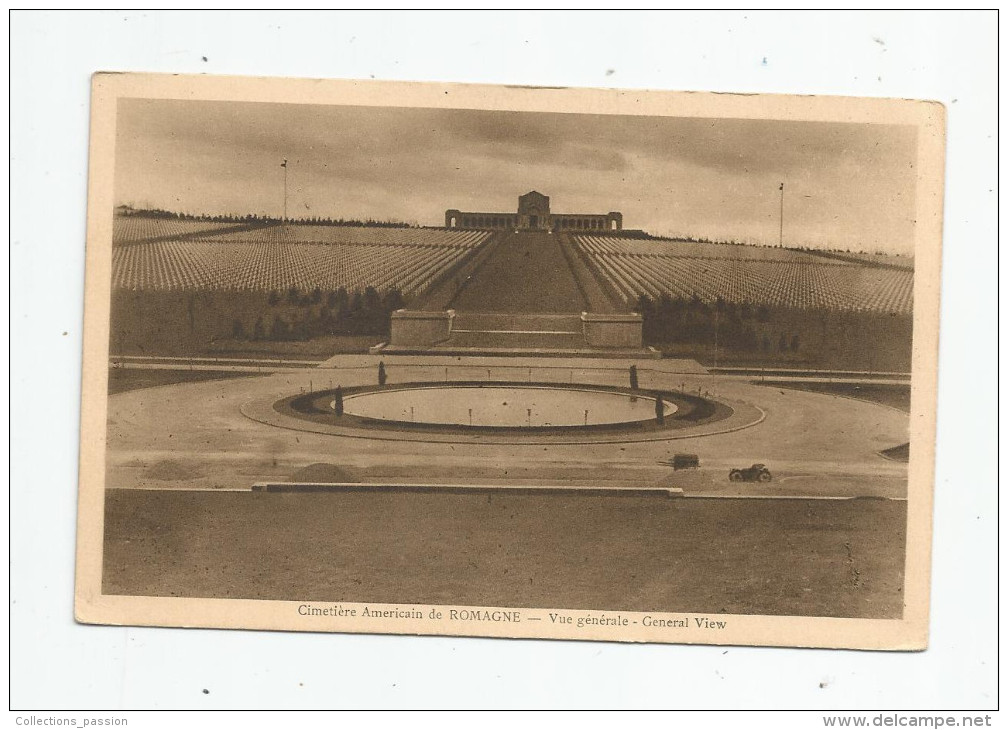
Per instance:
(939,58)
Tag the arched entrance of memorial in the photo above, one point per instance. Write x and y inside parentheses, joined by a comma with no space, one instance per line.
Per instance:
(533,211)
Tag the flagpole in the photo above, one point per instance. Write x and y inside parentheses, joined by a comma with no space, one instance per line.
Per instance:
(284,166)
(781,240)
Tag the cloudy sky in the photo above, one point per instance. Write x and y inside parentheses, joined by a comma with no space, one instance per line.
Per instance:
(846,185)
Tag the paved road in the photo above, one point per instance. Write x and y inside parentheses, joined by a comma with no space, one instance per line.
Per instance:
(195,436)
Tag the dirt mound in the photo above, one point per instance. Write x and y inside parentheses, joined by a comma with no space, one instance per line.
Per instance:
(321,472)
(168,470)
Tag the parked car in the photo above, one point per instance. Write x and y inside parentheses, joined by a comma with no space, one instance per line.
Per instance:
(685,461)
(755,473)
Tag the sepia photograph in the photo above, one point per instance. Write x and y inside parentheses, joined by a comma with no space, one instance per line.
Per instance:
(509,361)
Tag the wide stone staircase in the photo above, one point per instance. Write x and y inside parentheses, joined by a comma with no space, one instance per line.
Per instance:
(485,330)
(523,295)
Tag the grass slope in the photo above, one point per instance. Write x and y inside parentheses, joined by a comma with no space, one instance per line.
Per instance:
(122,380)
(526,273)
(774,557)
(894,396)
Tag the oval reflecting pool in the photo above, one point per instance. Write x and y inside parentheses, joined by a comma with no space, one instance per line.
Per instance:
(503,406)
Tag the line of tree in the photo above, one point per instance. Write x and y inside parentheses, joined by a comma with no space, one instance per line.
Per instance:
(256,219)
(693,321)
(303,316)
(642,235)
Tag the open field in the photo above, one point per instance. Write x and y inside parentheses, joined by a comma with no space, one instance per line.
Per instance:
(318,347)
(122,380)
(790,557)
(894,396)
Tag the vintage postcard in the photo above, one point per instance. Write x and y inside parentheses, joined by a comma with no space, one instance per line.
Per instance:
(425,358)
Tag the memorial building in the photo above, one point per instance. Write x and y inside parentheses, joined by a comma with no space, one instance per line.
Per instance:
(534,215)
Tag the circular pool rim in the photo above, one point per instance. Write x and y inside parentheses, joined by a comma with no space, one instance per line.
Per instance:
(670,407)
(691,411)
